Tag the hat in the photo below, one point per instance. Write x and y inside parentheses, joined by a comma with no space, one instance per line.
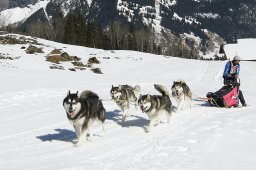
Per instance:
(236,58)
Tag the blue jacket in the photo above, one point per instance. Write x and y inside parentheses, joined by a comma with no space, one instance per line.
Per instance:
(228,68)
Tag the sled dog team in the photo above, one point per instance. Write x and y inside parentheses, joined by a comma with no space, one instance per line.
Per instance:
(84,109)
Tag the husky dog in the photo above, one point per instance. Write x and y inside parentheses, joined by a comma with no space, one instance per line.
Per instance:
(153,105)
(123,95)
(181,93)
(82,110)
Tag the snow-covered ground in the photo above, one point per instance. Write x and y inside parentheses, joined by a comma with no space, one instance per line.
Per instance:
(35,133)
(245,48)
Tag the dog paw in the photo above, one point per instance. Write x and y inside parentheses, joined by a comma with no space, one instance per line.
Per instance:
(89,139)
(123,119)
(77,145)
(147,130)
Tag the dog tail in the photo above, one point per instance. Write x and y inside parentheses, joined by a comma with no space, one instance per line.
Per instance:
(88,94)
(187,90)
(190,94)
(136,90)
(101,112)
(162,89)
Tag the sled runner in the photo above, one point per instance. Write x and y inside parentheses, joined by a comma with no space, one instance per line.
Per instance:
(227,96)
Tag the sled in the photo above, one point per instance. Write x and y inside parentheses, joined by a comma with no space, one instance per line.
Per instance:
(227,96)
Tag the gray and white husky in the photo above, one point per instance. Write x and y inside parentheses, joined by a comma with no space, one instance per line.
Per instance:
(124,96)
(181,93)
(82,110)
(153,105)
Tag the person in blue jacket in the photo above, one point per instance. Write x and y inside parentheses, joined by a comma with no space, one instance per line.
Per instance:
(231,73)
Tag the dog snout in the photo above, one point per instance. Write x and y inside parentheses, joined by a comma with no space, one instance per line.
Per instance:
(70,108)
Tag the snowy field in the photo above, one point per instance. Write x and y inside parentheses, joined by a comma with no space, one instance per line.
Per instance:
(35,133)
(245,48)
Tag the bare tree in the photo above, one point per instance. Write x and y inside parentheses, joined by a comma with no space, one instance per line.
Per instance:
(4,22)
(41,29)
(58,24)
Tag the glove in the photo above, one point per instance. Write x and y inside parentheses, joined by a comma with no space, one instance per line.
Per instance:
(233,75)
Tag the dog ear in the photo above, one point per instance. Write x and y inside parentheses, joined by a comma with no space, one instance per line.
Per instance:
(112,86)
(148,96)
(77,93)
(119,87)
(68,93)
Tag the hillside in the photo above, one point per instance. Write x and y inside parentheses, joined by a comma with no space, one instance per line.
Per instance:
(201,25)
(180,16)
(35,133)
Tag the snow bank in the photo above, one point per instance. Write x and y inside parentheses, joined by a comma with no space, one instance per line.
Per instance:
(245,48)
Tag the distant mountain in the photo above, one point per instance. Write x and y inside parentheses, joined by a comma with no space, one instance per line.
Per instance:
(201,20)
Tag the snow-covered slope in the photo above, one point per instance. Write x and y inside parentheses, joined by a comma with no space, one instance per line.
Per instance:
(245,48)
(16,15)
(35,133)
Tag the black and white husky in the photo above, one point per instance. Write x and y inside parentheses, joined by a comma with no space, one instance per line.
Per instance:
(124,95)
(82,110)
(181,93)
(153,105)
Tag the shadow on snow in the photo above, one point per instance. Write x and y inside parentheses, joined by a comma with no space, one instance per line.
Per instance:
(60,135)
(131,121)
(66,135)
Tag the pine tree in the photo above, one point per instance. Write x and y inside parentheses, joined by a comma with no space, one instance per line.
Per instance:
(132,44)
(89,35)
(70,31)
(80,30)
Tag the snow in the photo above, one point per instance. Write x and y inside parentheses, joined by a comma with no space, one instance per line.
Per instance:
(35,133)
(176,16)
(191,20)
(168,3)
(123,8)
(202,0)
(192,36)
(157,21)
(89,2)
(208,15)
(187,19)
(16,15)
(126,9)
(172,2)
(245,48)
(144,10)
